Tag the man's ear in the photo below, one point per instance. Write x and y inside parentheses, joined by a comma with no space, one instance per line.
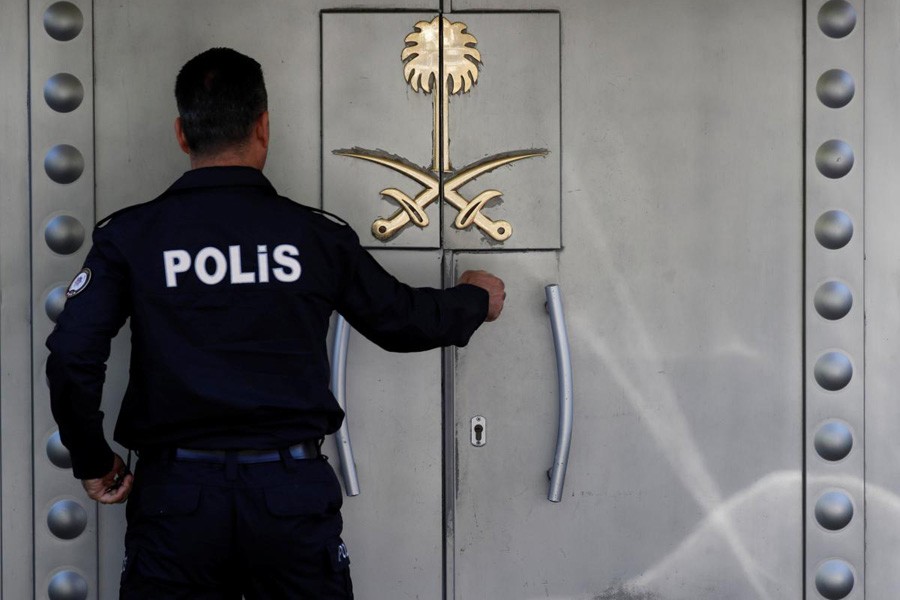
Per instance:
(179,135)
(262,129)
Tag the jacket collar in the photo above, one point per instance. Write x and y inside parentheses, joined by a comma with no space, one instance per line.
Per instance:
(207,177)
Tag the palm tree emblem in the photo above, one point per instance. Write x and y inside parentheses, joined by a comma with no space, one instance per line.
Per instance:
(422,70)
(441,58)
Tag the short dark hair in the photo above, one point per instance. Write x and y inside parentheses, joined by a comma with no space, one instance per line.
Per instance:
(220,94)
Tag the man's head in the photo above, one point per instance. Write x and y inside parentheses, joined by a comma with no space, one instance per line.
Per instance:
(222,104)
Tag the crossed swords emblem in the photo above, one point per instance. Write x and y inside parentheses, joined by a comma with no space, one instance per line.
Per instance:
(421,68)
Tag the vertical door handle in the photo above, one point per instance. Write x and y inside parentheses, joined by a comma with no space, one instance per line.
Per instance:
(339,389)
(564,373)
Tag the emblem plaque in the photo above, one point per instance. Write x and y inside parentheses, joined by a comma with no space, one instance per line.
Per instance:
(441,58)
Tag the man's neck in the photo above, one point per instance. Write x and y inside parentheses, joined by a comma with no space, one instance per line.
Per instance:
(225,159)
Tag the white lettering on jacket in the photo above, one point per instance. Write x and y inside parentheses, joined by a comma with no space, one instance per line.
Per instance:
(211,265)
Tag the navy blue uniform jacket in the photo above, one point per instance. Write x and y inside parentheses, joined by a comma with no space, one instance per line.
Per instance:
(229,288)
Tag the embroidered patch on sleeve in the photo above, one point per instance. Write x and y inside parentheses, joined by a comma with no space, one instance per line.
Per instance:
(79,284)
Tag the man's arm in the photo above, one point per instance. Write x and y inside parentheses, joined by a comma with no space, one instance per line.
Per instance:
(96,309)
(401,318)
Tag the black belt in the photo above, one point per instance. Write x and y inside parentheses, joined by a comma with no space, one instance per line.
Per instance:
(302,450)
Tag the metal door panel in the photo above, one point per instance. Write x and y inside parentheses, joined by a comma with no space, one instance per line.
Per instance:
(358,67)
(141,47)
(137,156)
(882,310)
(682,279)
(513,106)
(138,51)
(393,528)
(366,103)
(507,374)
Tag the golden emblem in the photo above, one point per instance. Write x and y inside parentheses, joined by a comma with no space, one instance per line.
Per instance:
(422,70)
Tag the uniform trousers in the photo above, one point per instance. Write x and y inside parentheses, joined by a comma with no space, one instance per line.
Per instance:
(215,531)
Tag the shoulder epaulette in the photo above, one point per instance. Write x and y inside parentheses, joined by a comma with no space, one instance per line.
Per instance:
(330,216)
(107,219)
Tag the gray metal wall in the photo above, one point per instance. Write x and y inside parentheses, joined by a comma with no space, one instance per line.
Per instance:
(715,301)
(16,545)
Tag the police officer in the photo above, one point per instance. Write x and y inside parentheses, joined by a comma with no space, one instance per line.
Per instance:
(230,288)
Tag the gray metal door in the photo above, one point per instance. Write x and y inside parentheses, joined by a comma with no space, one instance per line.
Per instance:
(103,140)
(681,272)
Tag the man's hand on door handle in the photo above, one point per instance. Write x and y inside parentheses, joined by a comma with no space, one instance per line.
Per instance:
(494,287)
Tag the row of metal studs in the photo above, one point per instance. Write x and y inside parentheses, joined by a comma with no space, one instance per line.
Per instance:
(62,191)
(834,328)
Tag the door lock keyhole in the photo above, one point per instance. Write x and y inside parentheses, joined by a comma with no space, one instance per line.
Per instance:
(478,431)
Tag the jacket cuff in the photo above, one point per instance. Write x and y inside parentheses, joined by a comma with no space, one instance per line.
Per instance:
(480,299)
(473,304)
(93,462)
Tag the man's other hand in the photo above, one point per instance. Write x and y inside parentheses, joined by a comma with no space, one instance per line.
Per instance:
(113,487)
(493,286)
